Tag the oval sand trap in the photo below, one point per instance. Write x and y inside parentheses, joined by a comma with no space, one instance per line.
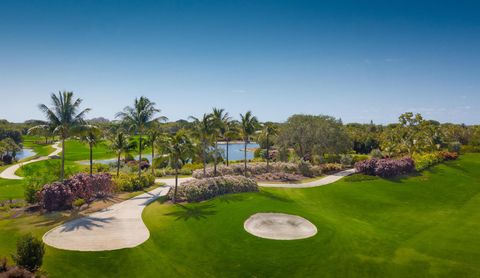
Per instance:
(279,226)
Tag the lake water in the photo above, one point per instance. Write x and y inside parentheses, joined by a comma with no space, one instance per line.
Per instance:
(235,152)
(25,153)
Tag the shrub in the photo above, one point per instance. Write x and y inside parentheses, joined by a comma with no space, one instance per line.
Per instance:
(170,172)
(305,168)
(78,202)
(198,190)
(346,159)
(55,196)
(331,167)
(470,149)
(426,160)
(254,169)
(359,157)
(376,153)
(455,147)
(132,182)
(31,192)
(30,251)
(386,167)
(449,155)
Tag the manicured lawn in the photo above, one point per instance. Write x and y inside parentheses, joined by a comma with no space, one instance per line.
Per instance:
(420,226)
(11,189)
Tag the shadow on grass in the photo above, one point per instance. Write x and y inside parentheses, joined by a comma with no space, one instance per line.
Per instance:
(402,178)
(197,212)
(274,197)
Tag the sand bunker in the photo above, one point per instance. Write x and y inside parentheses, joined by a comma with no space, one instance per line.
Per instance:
(279,226)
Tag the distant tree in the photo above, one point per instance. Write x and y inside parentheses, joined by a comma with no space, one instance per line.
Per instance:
(203,131)
(179,148)
(65,118)
(268,131)
(309,135)
(91,135)
(154,133)
(139,118)
(232,131)
(220,121)
(120,143)
(248,126)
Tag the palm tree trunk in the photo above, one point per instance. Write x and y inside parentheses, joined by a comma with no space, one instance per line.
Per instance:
(176,184)
(91,160)
(227,152)
(118,164)
(62,170)
(153,155)
(215,159)
(140,157)
(204,159)
(268,153)
(245,158)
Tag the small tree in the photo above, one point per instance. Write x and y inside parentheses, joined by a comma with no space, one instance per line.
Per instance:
(30,251)
(91,135)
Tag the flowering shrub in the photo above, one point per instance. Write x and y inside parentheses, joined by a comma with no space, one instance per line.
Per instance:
(449,155)
(203,189)
(279,177)
(56,196)
(254,169)
(59,196)
(386,167)
(426,160)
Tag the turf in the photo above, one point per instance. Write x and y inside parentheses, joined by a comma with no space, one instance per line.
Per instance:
(420,226)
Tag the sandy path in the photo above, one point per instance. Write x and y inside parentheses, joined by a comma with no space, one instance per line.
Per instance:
(116,227)
(9,173)
(323,181)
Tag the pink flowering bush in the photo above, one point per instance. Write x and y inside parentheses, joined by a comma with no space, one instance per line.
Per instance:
(386,167)
(59,196)
(56,196)
(203,189)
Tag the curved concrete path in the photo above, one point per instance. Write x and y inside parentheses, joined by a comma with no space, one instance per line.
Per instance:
(9,173)
(116,227)
(323,181)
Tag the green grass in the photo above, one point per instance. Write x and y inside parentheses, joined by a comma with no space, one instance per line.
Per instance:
(11,189)
(76,150)
(420,226)
(39,149)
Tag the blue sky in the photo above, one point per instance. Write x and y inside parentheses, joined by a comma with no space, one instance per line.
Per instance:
(356,60)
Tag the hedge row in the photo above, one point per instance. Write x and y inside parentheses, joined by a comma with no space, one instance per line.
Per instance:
(386,167)
(203,189)
(424,161)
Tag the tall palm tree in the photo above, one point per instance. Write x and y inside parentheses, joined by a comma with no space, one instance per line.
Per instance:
(91,135)
(203,129)
(231,132)
(138,118)
(248,126)
(179,148)
(120,143)
(220,120)
(65,117)
(268,130)
(153,135)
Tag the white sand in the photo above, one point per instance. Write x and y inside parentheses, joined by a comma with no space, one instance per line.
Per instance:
(279,226)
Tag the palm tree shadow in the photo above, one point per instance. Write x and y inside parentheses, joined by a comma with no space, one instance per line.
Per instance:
(196,212)
(85,223)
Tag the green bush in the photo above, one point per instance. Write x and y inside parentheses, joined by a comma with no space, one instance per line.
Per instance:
(359,157)
(470,149)
(132,182)
(30,193)
(78,202)
(426,160)
(305,168)
(30,251)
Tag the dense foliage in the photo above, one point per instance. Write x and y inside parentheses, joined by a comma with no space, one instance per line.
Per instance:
(302,168)
(60,195)
(386,167)
(30,251)
(203,189)
(131,182)
(426,160)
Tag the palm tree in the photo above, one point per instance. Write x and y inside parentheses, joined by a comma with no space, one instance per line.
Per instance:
(220,120)
(249,124)
(269,129)
(153,135)
(91,135)
(231,132)
(179,148)
(138,118)
(203,129)
(120,143)
(65,118)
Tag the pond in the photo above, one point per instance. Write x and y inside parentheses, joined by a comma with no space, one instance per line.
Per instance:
(25,153)
(235,152)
